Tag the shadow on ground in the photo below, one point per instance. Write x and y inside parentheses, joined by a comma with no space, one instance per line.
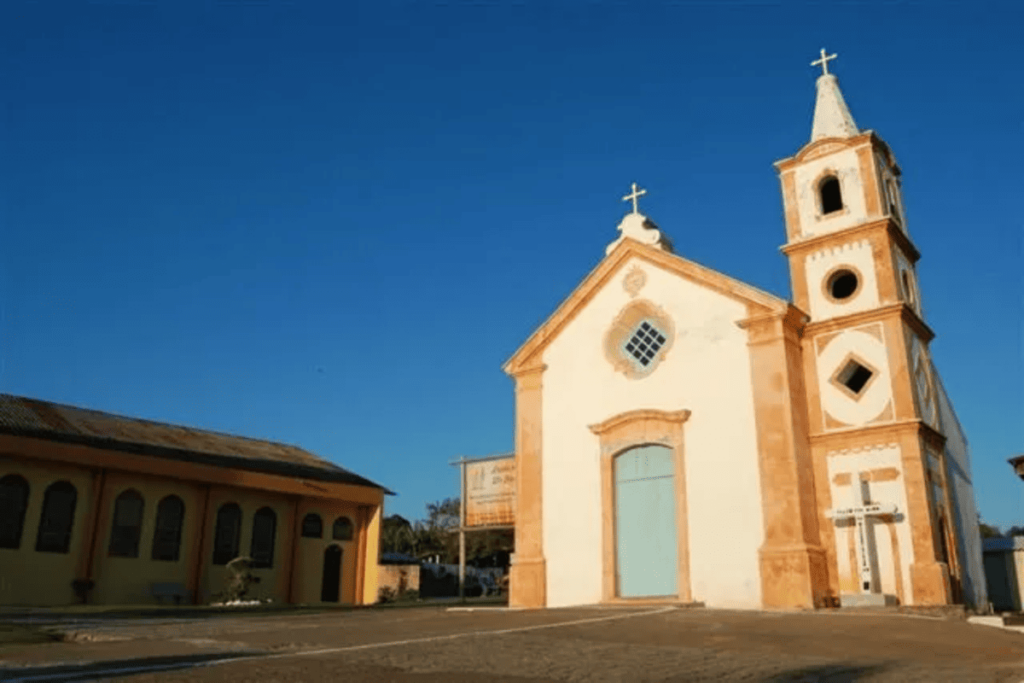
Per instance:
(98,613)
(828,673)
(114,669)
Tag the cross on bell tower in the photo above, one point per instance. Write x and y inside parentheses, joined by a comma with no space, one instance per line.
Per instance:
(825,59)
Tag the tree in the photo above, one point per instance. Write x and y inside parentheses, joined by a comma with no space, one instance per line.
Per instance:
(438,535)
(987,530)
(435,535)
(445,515)
(397,536)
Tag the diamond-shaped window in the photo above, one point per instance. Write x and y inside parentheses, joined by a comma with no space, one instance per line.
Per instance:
(854,376)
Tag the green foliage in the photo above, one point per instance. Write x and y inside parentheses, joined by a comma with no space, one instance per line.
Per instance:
(437,535)
(238,580)
(389,594)
(398,536)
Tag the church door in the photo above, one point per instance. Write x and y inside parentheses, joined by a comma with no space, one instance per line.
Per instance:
(331,585)
(645,523)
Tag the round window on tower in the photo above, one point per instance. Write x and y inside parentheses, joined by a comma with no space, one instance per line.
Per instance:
(842,284)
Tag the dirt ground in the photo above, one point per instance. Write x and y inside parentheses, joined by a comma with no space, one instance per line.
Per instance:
(579,644)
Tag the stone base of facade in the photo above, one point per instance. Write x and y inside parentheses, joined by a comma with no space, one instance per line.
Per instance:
(867,600)
(794,577)
(931,583)
(527,583)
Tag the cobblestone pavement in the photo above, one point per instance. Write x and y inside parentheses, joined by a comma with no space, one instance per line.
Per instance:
(580,644)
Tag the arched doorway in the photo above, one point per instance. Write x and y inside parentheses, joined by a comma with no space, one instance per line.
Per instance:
(331,585)
(646,542)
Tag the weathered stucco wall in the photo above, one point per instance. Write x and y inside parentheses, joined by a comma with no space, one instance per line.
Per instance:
(844,165)
(960,480)
(399,577)
(707,371)
(29,577)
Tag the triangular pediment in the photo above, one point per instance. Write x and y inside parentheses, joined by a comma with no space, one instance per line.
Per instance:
(758,302)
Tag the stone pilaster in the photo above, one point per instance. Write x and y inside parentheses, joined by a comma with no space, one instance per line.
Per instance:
(528,575)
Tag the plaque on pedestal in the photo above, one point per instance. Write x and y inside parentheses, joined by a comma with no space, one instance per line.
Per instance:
(866,600)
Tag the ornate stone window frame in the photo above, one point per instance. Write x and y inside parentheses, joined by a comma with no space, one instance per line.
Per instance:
(833,272)
(819,210)
(855,358)
(623,328)
(617,435)
(909,286)
(925,389)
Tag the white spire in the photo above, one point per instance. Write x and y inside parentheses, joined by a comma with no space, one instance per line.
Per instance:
(832,118)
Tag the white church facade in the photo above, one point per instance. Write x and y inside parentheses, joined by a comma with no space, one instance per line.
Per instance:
(681,435)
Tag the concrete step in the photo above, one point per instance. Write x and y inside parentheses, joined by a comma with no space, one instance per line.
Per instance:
(1009,623)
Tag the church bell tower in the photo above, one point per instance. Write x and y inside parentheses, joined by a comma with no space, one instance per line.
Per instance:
(873,416)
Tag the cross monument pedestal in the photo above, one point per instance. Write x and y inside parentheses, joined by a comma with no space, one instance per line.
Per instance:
(860,512)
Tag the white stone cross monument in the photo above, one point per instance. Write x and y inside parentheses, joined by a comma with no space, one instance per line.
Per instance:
(825,59)
(859,512)
(634,196)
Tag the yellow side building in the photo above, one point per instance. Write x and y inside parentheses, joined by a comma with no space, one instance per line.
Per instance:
(106,509)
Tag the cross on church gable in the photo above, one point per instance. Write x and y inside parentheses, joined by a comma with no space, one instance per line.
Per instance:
(636,194)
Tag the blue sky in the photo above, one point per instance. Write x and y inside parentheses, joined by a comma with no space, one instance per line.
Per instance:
(329,224)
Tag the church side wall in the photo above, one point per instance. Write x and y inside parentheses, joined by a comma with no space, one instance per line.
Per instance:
(961,489)
(28,577)
(309,555)
(126,580)
(706,371)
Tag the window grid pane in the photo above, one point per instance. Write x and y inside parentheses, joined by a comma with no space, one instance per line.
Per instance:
(13,504)
(229,526)
(645,343)
(167,534)
(57,518)
(264,526)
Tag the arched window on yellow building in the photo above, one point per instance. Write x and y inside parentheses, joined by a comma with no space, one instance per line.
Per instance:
(264,530)
(57,518)
(13,503)
(170,515)
(342,530)
(126,527)
(228,533)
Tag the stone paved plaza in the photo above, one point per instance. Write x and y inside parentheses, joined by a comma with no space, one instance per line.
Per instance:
(581,644)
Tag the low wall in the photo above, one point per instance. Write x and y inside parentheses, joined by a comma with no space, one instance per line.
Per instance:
(1004,572)
(398,577)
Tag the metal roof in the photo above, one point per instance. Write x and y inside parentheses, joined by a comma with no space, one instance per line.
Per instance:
(1002,543)
(21,416)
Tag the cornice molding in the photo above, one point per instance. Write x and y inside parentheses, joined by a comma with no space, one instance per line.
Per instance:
(885,224)
(611,264)
(622,419)
(905,312)
(882,432)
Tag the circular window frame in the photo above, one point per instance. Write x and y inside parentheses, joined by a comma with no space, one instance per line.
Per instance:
(826,282)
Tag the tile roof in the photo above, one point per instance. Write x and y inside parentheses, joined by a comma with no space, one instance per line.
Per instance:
(55,422)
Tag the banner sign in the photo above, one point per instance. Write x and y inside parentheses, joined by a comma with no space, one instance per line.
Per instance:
(490,492)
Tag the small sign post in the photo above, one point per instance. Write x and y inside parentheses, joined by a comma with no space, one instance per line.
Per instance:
(487,500)
(462,533)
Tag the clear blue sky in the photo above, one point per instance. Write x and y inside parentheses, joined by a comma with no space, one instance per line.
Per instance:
(329,224)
